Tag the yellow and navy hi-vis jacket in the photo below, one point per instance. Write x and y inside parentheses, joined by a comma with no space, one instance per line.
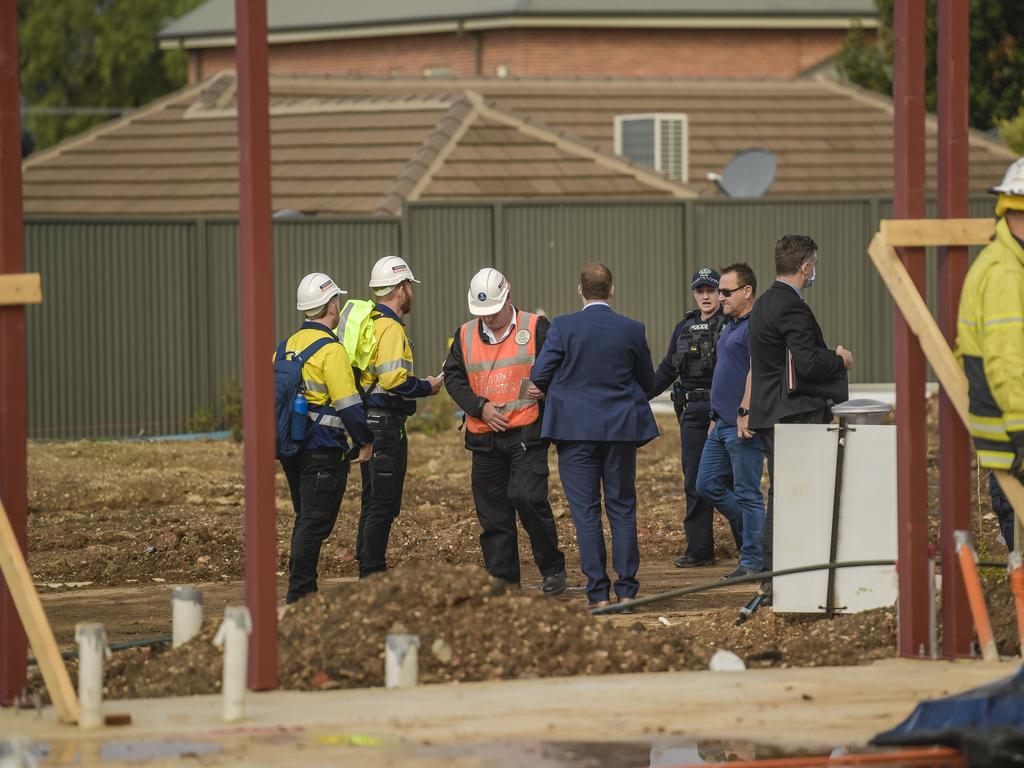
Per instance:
(388,382)
(990,346)
(334,402)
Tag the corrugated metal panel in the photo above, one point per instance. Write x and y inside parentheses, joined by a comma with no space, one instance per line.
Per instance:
(107,351)
(547,245)
(446,245)
(849,299)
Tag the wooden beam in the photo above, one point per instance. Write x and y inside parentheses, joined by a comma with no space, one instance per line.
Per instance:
(916,233)
(24,288)
(921,322)
(40,636)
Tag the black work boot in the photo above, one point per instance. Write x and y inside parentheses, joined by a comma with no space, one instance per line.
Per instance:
(554,584)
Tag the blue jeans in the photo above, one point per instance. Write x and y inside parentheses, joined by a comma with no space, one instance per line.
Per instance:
(724,453)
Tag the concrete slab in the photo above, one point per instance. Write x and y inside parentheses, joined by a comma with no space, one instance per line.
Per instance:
(824,707)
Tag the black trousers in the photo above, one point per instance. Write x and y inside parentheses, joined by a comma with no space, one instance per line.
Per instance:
(768,437)
(316,479)
(383,483)
(1003,509)
(509,479)
(698,521)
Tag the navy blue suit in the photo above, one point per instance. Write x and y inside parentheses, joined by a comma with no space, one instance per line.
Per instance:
(595,369)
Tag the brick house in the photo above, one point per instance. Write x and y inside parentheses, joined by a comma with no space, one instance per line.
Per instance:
(531,38)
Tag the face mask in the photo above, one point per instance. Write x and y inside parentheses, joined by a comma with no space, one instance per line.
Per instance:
(813,277)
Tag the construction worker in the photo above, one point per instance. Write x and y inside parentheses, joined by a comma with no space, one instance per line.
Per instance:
(488,374)
(990,339)
(689,365)
(318,473)
(390,390)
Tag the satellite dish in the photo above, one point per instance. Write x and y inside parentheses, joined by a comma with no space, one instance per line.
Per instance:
(749,174)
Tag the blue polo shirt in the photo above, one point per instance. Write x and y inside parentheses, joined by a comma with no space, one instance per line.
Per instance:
(731,369)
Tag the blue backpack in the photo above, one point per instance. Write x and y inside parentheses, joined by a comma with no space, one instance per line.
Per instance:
(288,383)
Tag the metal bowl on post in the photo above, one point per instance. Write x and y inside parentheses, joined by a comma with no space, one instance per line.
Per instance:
(862,411)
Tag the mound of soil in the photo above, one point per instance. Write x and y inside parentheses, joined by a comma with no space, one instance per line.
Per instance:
(467,632)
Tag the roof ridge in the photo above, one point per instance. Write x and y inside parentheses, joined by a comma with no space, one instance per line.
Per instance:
(886,104)
(431,155)
(568,142)
(84,138)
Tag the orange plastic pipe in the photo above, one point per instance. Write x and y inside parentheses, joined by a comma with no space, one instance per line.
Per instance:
(1017,585)
(938,756)
(975,597)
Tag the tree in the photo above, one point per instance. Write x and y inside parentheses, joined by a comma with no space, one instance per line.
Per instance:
(93,53)
(996,91)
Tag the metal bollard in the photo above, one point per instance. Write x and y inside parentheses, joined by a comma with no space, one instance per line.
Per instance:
(186,614)
(401,661)
(92,649)
(233,636)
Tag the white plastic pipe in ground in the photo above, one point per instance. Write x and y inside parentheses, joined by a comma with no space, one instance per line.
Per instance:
(186,614)
(233,637)
(92,649)
(401,661)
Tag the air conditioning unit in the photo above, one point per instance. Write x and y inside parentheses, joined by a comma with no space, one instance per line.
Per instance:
(659,140)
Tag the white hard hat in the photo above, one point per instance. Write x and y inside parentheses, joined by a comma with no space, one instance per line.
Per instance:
(315,290)
(389,272)
(1013,181)
(487,292)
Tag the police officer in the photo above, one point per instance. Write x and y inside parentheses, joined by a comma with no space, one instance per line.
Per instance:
(390,389)
(690,363)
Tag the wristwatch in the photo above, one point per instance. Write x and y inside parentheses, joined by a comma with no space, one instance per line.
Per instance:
(741,411)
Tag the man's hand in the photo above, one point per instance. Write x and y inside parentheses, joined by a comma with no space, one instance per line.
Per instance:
(365,454)
(435,383)
(533,392)
(847,356)
(1017,468)
(493,419)
(742,429)
(711,427)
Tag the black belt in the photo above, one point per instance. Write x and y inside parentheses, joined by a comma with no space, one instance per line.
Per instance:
(697,394)
(386,412)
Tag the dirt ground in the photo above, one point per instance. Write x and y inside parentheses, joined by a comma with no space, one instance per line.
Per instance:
(113,525)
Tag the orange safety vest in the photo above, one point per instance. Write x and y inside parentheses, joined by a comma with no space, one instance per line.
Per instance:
(501,372)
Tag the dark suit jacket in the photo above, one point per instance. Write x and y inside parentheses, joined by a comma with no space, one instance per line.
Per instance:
(780,320)
(595,368)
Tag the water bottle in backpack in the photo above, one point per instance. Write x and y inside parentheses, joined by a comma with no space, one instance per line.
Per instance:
(300,418)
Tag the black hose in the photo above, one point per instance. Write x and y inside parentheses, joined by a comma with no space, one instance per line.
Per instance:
(146,642)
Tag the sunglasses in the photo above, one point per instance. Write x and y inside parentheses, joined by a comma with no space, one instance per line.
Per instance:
(727,292)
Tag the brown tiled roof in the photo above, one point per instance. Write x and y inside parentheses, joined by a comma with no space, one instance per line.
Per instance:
(351,146)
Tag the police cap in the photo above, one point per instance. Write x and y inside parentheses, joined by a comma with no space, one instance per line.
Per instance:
(704,276)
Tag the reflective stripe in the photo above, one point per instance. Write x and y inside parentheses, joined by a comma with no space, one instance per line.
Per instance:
(995,460)
(505,362)
(326,420)
(514,405)
(344,315)
(394,365)
(1005,321)
(984,427)
(346,402)
(968,323)
(315,386)
(379,390)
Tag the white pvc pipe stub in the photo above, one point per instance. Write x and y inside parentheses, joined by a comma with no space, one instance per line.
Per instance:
(401,661)
(186,614)
(233,636)
(92,649)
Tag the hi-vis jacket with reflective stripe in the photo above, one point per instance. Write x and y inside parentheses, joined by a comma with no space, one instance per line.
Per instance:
(990,345)
(334,403)
(388,382)
(499,372)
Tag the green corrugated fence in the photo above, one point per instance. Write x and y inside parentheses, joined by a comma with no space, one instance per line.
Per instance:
(140,321)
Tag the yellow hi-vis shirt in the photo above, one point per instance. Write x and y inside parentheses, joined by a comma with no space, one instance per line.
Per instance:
(330,386)
(389,382)
(990,346)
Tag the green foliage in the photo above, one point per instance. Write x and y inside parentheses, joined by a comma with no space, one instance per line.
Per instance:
(228,414)
(94,53)
(1012,132)
(996,61)
(433,415)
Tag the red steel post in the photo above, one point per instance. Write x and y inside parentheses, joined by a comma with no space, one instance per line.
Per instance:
(257,291)
(954,442)
(911,429)
(13,358)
